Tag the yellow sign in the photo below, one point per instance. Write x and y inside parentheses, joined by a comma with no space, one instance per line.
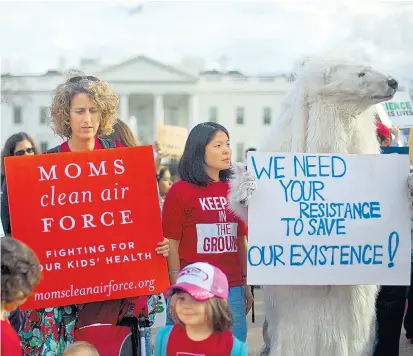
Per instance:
(172,139)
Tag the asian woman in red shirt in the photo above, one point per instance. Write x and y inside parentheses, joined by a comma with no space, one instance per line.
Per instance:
(198,222)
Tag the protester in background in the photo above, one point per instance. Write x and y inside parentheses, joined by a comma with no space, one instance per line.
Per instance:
(388,136)
(193,209)
(408,318)
(123,134)
(83,108)
(164,183)
(390,305)
(20,273)
(160,154)
(383,134)
(391,301)
(19,144)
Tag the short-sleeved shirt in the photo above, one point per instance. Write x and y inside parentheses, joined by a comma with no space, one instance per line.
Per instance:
(199,217)
(218,344)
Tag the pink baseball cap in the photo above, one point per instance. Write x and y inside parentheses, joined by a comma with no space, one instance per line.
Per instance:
(201,281)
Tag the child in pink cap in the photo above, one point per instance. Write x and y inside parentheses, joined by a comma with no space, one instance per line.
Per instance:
(201,314)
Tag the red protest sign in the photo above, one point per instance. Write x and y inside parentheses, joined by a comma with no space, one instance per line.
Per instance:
(93,219)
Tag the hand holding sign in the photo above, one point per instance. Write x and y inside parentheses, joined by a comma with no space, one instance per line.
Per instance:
(326,219)
(161,153)
(93,219)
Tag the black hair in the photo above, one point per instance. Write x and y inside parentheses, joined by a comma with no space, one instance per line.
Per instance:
(10,146)
(192,163)
(250,149)
(161,173)
(173,167)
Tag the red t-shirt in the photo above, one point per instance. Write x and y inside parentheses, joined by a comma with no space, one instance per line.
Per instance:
(218,344)
(10,342)
(208,231)
(64,147)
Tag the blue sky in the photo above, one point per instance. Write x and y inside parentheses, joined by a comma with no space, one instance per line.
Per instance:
(256,37)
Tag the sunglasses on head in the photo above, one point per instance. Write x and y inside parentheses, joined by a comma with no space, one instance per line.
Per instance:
(22,152)
(84,77)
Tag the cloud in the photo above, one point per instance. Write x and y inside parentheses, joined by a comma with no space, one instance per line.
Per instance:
(256,37)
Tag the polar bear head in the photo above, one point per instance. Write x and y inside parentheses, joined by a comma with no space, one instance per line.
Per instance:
(327,108)
(349,84)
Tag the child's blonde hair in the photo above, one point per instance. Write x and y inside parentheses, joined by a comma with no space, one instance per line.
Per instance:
(81,348)
(218,313)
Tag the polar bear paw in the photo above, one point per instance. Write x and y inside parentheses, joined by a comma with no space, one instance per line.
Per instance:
(243,184)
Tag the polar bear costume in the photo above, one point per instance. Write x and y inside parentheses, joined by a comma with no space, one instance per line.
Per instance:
(325,112)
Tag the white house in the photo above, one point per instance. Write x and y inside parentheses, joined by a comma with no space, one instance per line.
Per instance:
(153,93)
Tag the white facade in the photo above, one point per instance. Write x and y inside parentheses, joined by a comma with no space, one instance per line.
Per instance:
(152,93)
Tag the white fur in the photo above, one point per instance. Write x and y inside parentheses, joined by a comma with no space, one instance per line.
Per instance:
(327,111)
(242,184)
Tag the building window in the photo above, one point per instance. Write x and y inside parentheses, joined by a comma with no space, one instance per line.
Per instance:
(213,114)
(267,116)
(17,115)
(44,111)
(240,115)
(240,151)
(44,146)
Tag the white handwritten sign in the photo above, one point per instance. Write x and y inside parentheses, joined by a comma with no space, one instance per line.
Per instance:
(329,220)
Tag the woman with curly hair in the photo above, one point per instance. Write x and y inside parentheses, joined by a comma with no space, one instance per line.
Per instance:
(83,109)
(20,273)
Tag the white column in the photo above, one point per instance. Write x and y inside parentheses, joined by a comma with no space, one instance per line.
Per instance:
(124,108)
(158,111)
(192,111)
(133,125)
